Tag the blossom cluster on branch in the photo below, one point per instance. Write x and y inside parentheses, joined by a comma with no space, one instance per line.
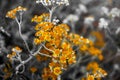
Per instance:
(57,45)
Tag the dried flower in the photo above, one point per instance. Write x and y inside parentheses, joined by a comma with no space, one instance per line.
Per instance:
(53,2)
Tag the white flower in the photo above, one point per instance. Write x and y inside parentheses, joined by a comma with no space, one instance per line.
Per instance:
(81,9)
(53,2)
(71,18)
(55,21)
(103,23)
(115,12)
(88,20)
(105,10)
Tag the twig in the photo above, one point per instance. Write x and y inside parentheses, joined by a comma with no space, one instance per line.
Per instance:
(20,32)
(31,56)
(47,48)
(44,54)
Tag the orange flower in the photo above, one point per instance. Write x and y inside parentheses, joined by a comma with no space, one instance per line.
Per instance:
(13,53)
(71,60)
(90,77)
(65,26)
(100,57)
(65,45)
(12,13)
(83,48)
(33,69)
(9,56)
(57,71)
(41,18)
(38,57)
(56,53)
(62,59)
(93,66)
(37,41)
(99,38)
(17,49)
(94,51)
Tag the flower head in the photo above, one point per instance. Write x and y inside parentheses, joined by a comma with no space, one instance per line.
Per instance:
(57,70)
(53,2)
(12,13)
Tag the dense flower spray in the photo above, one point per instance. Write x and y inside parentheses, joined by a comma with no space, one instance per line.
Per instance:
(56,44)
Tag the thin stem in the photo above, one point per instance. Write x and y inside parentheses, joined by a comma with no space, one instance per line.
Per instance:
(38,50)
(32,76)
(47,48)
(59,77)
(22,63)
(23,69)
(31,56)
(20,33)
(72,27)
(45,54)
(51,11)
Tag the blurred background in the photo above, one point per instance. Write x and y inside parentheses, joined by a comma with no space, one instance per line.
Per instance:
(97,20)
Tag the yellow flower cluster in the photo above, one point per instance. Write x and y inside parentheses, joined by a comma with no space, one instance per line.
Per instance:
(12,13)
(96,71)
(38,19)
(47,31)
(63,56)
(59,43)
(85,45)
(55,38)
(96,52)
(15,50)
(99,41)
(58,46)
(47,74)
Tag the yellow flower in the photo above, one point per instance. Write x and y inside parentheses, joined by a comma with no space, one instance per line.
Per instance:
(37,19)
(37,41)
(99,38)
(45,26)
(9,56)
(12,13)
(103,72)
(13,53)
(56,53)
(41,18)
(83,48)
(72,60)
(100,57)
(63,59)
(94,51)
(93,66)
(75,38)
(90,77)
(52,76)
(17,49)
(65,27)
(33,69)
(65,45)
(57,71)
(38,57)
